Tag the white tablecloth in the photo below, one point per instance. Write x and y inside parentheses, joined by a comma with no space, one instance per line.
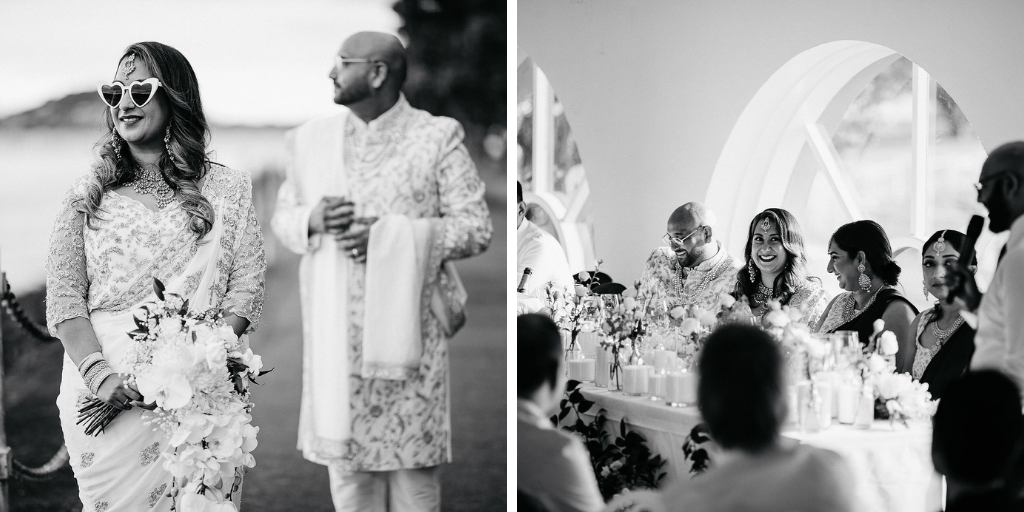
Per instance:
(892,466)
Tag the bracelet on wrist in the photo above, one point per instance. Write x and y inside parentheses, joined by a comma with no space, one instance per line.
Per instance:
(88,361)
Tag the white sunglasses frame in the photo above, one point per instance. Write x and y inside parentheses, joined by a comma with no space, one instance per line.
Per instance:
(128,89)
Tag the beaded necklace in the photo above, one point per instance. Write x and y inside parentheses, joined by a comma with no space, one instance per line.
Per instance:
(941,335)
(849,313)
(150,182)
(712,274)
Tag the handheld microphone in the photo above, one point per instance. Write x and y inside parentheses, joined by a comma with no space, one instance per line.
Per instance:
(973,232)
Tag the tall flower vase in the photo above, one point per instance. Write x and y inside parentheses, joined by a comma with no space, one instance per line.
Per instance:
(572,349)
(615,377)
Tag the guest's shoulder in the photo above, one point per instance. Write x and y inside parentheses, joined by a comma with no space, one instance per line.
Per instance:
(661,255)
(223,180)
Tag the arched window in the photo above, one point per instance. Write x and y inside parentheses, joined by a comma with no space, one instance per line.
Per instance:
(550,169)
(852,130)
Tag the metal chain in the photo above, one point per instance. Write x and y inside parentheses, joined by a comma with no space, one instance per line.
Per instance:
(44,472)
(14,309)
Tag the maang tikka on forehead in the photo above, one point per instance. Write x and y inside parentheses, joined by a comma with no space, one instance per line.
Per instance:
(940,244)
(766,224)
(129,65)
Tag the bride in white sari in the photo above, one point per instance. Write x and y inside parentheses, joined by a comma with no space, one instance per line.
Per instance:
(153,206)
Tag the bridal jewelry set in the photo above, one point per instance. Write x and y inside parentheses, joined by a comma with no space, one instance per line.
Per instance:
(148,181)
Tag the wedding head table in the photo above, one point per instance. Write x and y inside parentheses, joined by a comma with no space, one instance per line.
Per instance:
(892,465)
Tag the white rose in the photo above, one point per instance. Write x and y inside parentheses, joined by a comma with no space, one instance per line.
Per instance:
(878,325)
(689,326)
(629,303)
(677,312)
(706,318)
(581,291)
(887,343)
(629,293)
(777,318)
(727,300)
(887,386)
(877,364)
(583,276)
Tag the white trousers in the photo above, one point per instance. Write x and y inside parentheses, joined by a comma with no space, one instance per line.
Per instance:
(403,490)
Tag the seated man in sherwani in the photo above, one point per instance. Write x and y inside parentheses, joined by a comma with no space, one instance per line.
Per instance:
(694,269)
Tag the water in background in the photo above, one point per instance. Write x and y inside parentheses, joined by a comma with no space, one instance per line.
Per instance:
(38,167)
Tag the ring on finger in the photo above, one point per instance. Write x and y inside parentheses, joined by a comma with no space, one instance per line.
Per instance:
(354,252)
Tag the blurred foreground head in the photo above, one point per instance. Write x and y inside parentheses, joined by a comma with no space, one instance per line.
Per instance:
(741,387)
(539,355)
(977,429)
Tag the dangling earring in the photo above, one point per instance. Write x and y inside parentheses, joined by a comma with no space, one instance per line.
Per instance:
(925,290)
(863,280)
(167,142)
(115,142)
(752,269)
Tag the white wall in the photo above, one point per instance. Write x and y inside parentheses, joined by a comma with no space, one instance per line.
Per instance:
(652,89)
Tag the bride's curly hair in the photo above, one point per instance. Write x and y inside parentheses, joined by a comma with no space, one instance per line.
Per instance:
(795,273)
(188,161)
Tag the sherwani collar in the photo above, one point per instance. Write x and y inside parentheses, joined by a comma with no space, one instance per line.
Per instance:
(386,121)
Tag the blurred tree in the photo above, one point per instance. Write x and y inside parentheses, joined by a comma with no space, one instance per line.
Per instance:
(457,52)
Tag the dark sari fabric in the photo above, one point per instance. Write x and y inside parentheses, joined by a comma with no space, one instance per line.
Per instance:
(863,323)
(950,362)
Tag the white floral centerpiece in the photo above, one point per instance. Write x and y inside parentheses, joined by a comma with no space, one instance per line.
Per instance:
(197,372)
(898,396)
(624,328)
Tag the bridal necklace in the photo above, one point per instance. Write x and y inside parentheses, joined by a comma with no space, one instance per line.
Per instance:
(763,294)
(151,182)
(941,335)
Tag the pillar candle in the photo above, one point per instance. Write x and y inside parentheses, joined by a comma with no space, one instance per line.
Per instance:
(824,390)
(681,388)
(635,379)
(656,385)
(581,369)
(664,360)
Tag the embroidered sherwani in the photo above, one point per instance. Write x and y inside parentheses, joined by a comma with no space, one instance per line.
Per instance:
(105,273)
(703,285)
(405,162)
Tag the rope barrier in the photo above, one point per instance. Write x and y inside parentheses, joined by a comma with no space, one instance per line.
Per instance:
(44,472)
(15,311)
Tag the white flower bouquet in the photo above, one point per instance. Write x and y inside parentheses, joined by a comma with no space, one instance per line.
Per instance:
(196,371)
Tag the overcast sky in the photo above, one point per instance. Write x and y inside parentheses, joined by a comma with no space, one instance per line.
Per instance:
(258,61)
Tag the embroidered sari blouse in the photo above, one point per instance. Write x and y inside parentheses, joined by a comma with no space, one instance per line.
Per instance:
(111,268)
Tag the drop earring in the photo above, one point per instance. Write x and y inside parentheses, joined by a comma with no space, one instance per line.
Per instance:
(752,269)
(115,142)
(863,280)
(925,289)
(167,142)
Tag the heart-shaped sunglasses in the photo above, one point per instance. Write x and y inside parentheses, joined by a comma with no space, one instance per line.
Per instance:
(140,92)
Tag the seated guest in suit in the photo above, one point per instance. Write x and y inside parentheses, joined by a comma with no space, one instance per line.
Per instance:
(541,252)
(742,397)
(776,268)
(861,258)
(976,440)
(554,467)
(943,344)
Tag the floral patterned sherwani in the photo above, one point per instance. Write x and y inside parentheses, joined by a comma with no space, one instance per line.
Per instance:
(703,285)
(411,163)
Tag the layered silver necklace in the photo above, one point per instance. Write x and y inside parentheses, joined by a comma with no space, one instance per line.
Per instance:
(150,182)
(943,334)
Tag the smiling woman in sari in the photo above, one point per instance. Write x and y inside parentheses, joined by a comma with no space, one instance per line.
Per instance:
(152,206)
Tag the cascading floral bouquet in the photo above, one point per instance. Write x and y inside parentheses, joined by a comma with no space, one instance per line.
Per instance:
(197,372)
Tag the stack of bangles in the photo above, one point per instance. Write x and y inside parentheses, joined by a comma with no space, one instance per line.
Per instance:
(94,369)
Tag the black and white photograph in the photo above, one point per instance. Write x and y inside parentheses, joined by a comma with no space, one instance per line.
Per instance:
(252,255)
(770,256)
